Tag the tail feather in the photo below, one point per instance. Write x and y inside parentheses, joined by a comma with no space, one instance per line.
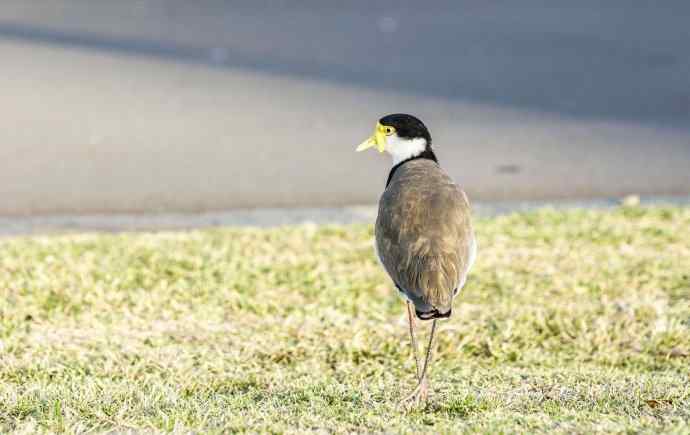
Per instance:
(433,314)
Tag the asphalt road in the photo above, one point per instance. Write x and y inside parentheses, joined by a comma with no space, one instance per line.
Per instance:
(159,106)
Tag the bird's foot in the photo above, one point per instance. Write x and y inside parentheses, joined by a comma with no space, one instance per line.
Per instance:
(417,397)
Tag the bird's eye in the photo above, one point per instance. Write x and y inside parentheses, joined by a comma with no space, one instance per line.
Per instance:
(389,130)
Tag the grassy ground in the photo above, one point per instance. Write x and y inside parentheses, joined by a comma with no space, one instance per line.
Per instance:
(571,322)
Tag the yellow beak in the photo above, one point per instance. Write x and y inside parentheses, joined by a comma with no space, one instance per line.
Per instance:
(378,139)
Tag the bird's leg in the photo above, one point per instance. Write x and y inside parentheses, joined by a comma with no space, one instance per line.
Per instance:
(413,339)
(420,393)
(429,351)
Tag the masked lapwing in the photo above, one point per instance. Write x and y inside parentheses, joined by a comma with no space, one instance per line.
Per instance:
(424,236)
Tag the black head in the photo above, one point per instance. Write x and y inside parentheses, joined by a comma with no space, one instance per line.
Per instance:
(407,126)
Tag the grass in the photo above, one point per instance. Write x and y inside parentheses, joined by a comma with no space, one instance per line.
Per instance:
(571,322)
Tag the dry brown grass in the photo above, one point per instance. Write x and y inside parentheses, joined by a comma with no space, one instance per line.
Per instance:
(573,321)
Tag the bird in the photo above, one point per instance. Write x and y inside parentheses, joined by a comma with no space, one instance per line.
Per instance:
(424,236)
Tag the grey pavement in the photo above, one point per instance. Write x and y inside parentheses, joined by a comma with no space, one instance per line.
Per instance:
(176,106)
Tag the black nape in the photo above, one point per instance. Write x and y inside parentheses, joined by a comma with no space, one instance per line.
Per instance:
(426,154)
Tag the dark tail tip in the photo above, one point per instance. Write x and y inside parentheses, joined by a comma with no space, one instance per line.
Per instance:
(433,314)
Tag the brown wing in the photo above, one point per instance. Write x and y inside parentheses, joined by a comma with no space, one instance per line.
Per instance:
(424,235)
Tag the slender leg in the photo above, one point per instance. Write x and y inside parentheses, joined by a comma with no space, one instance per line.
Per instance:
(420,393)
(413,339)
(429,350)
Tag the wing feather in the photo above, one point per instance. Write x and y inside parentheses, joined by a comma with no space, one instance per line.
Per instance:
(424,236)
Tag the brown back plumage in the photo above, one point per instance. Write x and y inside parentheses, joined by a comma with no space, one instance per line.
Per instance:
(424,236)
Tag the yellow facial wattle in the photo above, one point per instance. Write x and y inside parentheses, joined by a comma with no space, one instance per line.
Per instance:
(378,139)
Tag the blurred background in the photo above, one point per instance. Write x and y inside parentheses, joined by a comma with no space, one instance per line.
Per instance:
(156,106)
